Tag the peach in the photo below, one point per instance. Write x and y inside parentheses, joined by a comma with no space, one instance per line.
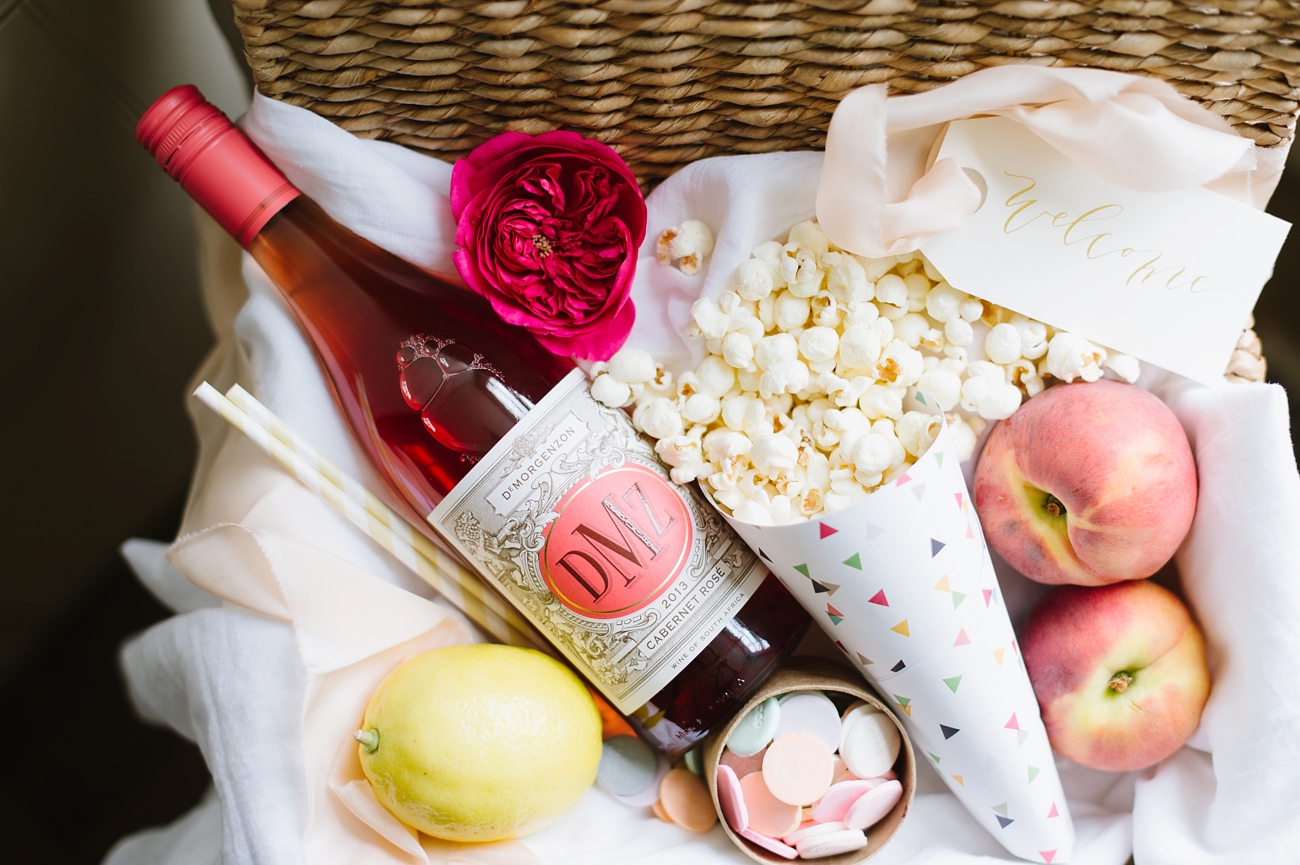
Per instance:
(1119,672)
(1087,483)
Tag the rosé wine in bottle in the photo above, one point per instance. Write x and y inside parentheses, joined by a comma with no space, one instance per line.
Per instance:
(554,499)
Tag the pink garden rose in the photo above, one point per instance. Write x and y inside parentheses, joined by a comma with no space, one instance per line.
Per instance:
(548,228)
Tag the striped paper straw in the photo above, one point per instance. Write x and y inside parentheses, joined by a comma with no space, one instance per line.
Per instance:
(366,511)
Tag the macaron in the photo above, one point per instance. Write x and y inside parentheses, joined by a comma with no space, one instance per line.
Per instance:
(731,799)
(838,799)
(813,713)
(686,800)
(768,815)
(798,768)
(870,744)
(627,766)
(769,844)
(873,805)
(754,731)
(832,844)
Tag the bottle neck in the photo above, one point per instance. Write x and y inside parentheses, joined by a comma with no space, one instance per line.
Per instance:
(214,162)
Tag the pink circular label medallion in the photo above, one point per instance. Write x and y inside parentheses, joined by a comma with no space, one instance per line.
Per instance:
(618,542)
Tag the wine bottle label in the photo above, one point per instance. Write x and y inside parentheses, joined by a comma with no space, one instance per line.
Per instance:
(572,517)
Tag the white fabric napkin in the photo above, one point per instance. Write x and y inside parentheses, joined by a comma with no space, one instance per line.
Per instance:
(238,678)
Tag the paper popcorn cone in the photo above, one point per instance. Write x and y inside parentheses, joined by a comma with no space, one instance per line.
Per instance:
(815,674)
(903,584)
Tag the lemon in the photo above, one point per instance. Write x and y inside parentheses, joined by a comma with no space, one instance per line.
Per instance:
(480,742)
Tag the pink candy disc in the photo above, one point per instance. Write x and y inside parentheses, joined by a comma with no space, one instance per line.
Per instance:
(812,830)
(797,768)
(742,765)
(873,805)
(731,799)
(770,844)
(768,815)
(832,844)
(838,799)
(811,713)
(842,772)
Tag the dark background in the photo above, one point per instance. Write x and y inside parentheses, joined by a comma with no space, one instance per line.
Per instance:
(100,328)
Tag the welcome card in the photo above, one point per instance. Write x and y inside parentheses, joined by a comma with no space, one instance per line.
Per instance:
(1168,277)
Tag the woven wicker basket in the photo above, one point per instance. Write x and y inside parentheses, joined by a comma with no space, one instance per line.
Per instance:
(668,82)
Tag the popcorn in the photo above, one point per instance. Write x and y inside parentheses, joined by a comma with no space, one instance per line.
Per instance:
(773,454)
(1070,356)
(685,245)
(1124,366)
(632,366)
(942,301)
(798,409)
(658,418)
(790,311)
(709,318)
(755,279)
(900,364)
(819,343)
(958,331)
(1002,343)
(610,392)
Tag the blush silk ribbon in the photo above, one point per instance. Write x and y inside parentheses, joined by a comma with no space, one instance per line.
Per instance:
(879,195)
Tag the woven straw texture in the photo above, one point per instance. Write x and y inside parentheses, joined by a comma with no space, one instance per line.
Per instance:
(667,82)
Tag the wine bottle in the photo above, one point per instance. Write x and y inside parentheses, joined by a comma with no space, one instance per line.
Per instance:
(552,497)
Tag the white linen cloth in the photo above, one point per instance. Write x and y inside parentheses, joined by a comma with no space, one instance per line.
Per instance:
(239,679)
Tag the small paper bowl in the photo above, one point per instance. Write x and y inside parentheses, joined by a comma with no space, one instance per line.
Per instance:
(817,674)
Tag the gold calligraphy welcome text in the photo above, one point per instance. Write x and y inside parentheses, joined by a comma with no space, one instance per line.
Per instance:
(1081,231)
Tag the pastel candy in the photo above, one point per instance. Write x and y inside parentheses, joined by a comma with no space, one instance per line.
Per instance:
(627,766)
(832,844)
(658,808)
(692,761)
(686,800)
(798,768)
(732,800)
(838,799)
(770,844)
(851,716)
(756,729)
(813,713)
(742,765)
(812,830)
(842,772)
(873,805)
(871,745)
(650,794)
(768,815)
(855,704)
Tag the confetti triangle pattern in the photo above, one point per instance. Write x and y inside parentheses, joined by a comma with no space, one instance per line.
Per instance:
(1047,855)
(905,560)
